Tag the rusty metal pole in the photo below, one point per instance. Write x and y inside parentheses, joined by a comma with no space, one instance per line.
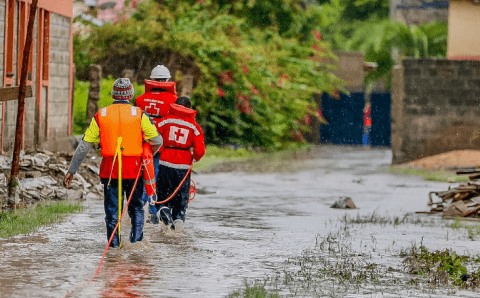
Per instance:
(21,100)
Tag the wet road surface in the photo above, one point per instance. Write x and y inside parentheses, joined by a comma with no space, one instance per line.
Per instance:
(240,225)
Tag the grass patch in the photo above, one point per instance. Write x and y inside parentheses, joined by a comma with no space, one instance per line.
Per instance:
(331,269)
(375,218)
(81,99)
(26,220)
(334,268)
(442,267)
(228,159)
(254,290)
(215,155)
(440,175)
(472,228)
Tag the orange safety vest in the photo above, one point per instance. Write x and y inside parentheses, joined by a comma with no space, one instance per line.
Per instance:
(148,170)
(120,120)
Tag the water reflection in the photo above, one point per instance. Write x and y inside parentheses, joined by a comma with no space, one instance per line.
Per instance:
(124,278)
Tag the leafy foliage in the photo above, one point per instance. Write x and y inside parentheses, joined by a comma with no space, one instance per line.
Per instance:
(81,99)
(433,263)
(365,9)
(256,76)
(364,26)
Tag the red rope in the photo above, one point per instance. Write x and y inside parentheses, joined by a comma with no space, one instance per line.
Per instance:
(176,190)
(111,237)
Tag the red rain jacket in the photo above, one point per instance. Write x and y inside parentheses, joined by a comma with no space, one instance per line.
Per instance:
(183,138)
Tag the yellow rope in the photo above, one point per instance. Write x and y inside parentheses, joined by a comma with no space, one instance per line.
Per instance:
(118,152)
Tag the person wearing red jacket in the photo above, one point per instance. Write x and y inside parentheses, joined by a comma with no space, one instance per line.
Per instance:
(183,143)
(159,95)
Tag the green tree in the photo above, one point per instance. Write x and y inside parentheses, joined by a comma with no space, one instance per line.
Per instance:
(255,76)
(378,40)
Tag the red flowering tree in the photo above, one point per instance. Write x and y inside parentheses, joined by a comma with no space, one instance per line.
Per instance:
(256,76)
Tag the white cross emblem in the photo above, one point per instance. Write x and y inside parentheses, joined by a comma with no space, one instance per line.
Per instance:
(178,134)
(152,109)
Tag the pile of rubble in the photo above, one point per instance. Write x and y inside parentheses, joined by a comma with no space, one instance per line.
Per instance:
(461,201)
(41,177)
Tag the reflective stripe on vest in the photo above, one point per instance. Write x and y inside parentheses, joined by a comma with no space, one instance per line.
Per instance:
(148,170)
(173,165)
(180,122)
(120,120)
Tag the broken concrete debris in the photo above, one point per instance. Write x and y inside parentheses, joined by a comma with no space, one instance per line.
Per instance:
(460,201)
(41,178)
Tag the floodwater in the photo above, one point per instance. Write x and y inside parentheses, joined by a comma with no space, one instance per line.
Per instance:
(243,224)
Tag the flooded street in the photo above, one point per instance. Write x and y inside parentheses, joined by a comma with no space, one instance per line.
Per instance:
(242,225)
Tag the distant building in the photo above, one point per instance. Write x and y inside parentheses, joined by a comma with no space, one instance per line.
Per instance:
(82,6)
(50,71)
(417,12)
(105,10)
(463,30)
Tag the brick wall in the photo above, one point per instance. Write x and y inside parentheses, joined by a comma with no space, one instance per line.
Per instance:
(435,107)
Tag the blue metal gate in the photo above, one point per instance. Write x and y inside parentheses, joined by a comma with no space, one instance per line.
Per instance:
(381,120)
(345,119)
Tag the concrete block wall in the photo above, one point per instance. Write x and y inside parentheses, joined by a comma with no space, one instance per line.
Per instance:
(30,101)
(435,107)
(60,76)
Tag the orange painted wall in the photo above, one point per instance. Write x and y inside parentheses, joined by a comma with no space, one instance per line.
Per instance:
(61,7)
(463,31)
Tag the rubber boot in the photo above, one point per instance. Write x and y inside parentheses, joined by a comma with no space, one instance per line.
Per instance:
(166,216)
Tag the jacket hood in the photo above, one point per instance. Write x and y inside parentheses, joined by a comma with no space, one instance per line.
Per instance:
(167,86)
(181,111)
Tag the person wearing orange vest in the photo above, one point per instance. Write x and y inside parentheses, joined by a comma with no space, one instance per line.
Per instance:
(119,119)
(183,144)
(159,95)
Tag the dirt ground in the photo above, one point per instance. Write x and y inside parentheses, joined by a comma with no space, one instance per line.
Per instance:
(449,161)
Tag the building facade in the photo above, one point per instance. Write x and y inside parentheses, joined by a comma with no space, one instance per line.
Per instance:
(50,71)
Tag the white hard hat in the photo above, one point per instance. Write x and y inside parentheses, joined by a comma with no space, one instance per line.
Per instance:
(160,72)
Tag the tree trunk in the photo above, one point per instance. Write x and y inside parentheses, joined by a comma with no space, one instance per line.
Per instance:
(95,75)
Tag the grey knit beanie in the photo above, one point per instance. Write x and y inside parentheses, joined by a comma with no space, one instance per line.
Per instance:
(122,89)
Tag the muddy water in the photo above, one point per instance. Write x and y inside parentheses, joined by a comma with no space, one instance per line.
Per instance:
(242,224)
